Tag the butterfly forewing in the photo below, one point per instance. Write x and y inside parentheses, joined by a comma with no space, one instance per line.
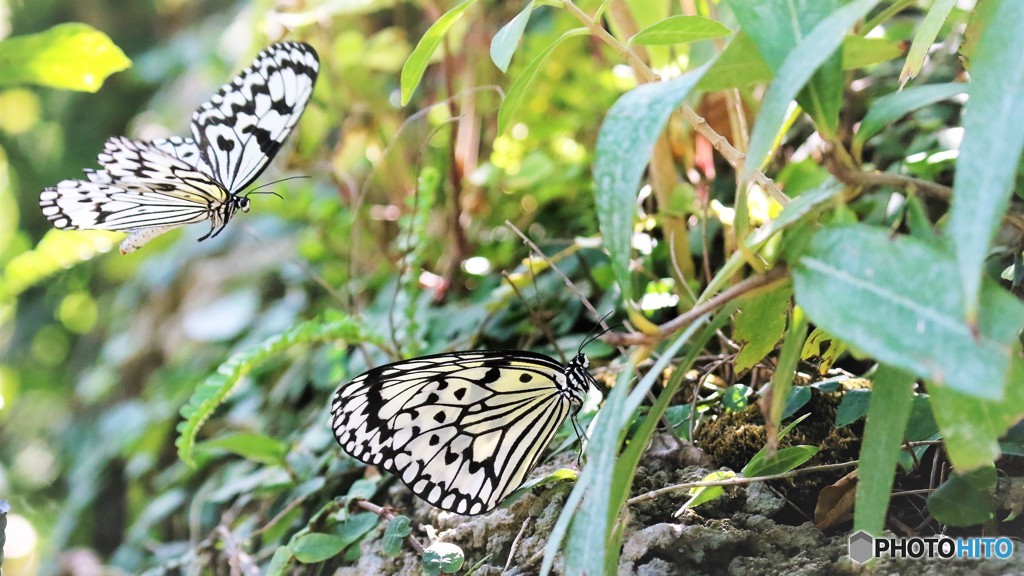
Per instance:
(462,430)
(242,126)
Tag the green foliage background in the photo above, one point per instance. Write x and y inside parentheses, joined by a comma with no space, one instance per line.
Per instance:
(147,400)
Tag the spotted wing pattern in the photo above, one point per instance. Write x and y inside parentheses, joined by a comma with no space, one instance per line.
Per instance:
(461,430)
(243,126)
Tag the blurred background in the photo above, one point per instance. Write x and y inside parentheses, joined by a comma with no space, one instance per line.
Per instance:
(98,351)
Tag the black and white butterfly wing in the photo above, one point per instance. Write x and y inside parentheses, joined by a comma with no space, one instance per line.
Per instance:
(141,187)
(241,128)
(461,430)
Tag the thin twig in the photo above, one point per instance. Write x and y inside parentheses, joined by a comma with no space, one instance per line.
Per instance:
(388,515)
(515,545)
(910,184)
(740,481)
(775,276)
(734,157)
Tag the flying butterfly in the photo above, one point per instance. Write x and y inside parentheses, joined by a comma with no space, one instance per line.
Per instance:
(464,429)
(148,188)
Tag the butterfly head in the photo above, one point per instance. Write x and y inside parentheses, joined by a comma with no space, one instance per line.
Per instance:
(578,376)
(242,203)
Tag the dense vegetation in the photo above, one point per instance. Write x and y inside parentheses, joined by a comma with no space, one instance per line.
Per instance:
(801,259)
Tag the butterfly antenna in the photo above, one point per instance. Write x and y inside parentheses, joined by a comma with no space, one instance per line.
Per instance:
(588,339)
(255,190)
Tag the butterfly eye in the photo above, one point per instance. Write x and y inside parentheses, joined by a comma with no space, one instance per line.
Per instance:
(243,204)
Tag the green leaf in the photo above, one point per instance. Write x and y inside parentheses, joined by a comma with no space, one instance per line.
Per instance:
(796,399)
(279,562)
(800,63)
(255,447)
(505,42)
(397,531)
(891,400)
(735,397)
(316,547)
(741,65)
(71,56)
(417,62)
(853,405)
(924,39)
(993,139)
(356,526)
(971,426)
(679,30)
(362,489)
(785,460)
(782,403)
(777,27)
(704,494)
(894,106)
(964,499)
(760,325)
(521,87)
(624,146)
(216,388)
(560,475)
(442,557)
(916,321)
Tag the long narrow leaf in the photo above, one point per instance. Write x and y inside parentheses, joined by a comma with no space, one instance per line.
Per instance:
(810,53)
(991,148)
(624,147)
(924,38)
(888,413)
(416,64)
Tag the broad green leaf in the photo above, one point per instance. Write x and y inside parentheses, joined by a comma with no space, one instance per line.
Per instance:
(993,139)
(356,526)
(785,460)
(964,499)
(809,54)
(398,529)
(362,489)
(796,399)
(894,106)
(736,397)
(741,65)
(442,557)
(891,298)
(777,27)
(624,146)
(560,475)
(679,30)
(316,547)
(279,562)
(255,447)
(520,89)
(505,42)
(971,426)
(416,65)
(891,399)
(71,56)
(924,38)
(760,324)
(853,405)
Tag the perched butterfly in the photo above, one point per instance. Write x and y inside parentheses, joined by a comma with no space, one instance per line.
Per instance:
(461,430)
(148,188)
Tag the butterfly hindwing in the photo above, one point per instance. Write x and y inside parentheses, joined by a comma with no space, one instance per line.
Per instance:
(241,128)
(461,430)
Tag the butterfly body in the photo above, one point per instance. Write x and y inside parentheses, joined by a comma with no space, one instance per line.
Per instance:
(147,188)
(462,430)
